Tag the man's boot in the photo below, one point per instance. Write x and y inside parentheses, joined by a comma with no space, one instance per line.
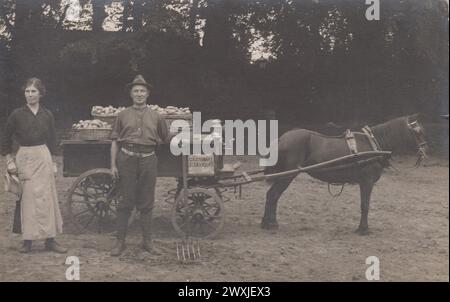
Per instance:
(52,245)
(122,225)
(146,224)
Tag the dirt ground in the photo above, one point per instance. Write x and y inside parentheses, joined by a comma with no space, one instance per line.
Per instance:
(409,221)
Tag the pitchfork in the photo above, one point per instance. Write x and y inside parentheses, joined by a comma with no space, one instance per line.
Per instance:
(188,249)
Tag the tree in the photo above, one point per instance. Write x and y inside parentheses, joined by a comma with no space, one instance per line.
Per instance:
(98,14)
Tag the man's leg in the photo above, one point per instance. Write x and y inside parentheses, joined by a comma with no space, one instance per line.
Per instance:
(146,196)
(146,222)
(52,245)
(122,224)
(127,166)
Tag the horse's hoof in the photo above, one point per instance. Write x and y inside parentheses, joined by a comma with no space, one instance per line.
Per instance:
(362,231)
(269,225)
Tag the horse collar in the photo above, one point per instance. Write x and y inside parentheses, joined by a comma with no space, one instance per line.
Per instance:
(373,141)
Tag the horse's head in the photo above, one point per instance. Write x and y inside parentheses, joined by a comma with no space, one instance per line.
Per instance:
(418,135)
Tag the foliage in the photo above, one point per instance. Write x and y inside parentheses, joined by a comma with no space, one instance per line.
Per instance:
(309,60)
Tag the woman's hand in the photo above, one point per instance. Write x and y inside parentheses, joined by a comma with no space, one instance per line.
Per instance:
(115,172)
(11,167)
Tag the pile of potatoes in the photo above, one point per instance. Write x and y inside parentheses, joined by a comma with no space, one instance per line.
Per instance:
(106,111)
(170,110)
(91,124)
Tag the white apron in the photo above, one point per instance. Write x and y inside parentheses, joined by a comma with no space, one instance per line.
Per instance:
(40,214)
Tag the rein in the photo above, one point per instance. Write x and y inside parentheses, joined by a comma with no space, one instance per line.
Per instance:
(415,129)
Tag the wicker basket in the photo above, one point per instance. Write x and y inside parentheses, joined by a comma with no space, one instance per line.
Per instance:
(110,119)
(92,134)
(75,134)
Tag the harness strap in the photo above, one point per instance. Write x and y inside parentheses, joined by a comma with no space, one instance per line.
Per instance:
(335,184)
(372,140)
(351,141)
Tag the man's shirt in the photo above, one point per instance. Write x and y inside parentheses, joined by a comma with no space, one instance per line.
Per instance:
(140,126)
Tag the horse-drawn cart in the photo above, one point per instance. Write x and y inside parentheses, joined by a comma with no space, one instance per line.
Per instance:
(92,199)
(197,210)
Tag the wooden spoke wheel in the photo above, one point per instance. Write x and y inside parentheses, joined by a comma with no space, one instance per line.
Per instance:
(92,201)
(198,213)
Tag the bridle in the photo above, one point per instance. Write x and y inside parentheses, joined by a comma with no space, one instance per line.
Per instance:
(421,144)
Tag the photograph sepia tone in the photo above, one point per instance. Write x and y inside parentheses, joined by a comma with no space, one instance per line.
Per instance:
(224,141)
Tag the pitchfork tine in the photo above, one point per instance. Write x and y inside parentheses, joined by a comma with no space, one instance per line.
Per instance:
(178,252)
(184,256)
(188,252)
(193,251)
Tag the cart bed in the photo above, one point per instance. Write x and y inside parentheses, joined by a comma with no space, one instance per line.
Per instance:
(80,156)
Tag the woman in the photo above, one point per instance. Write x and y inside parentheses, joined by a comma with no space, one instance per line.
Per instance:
(33,127)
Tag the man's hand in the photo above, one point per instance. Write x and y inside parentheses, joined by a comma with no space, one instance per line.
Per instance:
(114,150)
(115,172)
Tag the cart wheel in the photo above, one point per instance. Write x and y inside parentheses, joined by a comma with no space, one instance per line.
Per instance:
(200,214)
(92,201)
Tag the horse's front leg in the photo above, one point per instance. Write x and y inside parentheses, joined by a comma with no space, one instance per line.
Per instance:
(365,190)
(269,220)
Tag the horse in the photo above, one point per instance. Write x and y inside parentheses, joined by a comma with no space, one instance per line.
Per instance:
(302,148)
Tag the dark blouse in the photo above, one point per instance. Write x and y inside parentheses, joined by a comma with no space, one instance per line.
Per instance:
(29,129)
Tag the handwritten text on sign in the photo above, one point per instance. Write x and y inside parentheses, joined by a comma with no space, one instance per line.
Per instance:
(201,165)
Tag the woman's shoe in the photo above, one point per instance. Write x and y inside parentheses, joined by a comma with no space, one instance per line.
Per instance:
(26,247)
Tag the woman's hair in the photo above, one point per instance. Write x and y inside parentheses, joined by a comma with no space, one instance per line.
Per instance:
(36,83)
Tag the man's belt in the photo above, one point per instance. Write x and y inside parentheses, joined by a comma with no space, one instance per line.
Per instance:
(138,148)
(137,154)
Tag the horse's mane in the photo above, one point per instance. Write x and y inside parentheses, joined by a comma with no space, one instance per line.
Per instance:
(393,134)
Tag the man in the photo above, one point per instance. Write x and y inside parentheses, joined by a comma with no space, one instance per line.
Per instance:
(137,132)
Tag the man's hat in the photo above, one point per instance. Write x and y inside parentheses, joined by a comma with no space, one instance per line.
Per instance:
(139,80)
